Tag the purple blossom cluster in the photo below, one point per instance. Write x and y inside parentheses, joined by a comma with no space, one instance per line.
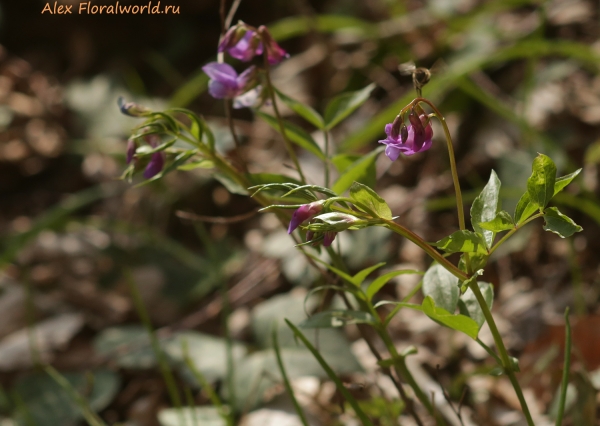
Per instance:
(242,42)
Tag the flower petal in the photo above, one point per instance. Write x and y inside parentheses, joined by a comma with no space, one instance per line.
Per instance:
(220,72)
(155,165)
(221,91)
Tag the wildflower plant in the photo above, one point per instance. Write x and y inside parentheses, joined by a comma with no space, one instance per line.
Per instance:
(316,214)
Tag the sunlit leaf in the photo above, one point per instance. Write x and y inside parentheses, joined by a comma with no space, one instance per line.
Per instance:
(540,185)
(366,196)
(442,287)
(484,208)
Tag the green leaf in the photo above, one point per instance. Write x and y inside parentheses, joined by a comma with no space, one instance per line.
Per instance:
(378,283)
(337,318)
(302,110)
(525,208)
(559,223)
(298,25)
(202,164)
(563,181)
(442,287)
(48,403)
(360,276)
(485,207)
(295,134)
(343,161)
(345,104)
(501,222)
(540,185)
(462,241)
(456,322)
(469,306)
(366,196)
(362,170)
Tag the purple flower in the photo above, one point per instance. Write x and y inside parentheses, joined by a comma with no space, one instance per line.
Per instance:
(275,54)
(225,83)
(245,48)
(156,164)
(328,238)
(244,42)
(305,212)
(416,139)
(131,147)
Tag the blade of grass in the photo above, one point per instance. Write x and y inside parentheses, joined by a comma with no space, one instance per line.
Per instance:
(347,395)
(205,385)
(88,414)
(286,381)
(189,398)
(566,367)
(158,352)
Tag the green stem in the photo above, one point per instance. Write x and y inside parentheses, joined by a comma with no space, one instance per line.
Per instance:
(326,161)
(565,378)
(506,363)
(399,229)
(440,117)
(288,144)
(512,231)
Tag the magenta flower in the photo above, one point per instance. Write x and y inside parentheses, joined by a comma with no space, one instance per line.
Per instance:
(416,139)
(275,54)
(328,238)
(304,213)
(156,164)
(244,48)
(244,42)
(225,83)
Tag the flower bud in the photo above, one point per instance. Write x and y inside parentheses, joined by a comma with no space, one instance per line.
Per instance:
(275,54)
(304,213)
(328,238)
(132,109)
(155,166)
(131,147)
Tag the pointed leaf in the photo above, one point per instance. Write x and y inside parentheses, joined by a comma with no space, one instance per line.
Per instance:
(345,104)
(456,322)
(462,241)
(337,318)
(484,208)
(559,223)
(378,283)
(362,170)
(469,306)
(360,276)
(540,184)
(442,287)
(295,134)
(302,110)
(563,181)
(501,222)
(365,195)
(525,208)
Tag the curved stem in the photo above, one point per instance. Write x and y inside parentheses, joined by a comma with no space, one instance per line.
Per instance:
(506,363)
(399,229)
(440,117)
(288,144)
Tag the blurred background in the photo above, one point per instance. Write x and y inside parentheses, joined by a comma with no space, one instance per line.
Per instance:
(513,78)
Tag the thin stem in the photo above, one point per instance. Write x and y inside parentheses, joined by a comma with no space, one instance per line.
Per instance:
(512,231)
(399,229)
(565,378)
(236,139)
(288,143)
(506,363)
(440,117)
(489,351)
(326,161)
